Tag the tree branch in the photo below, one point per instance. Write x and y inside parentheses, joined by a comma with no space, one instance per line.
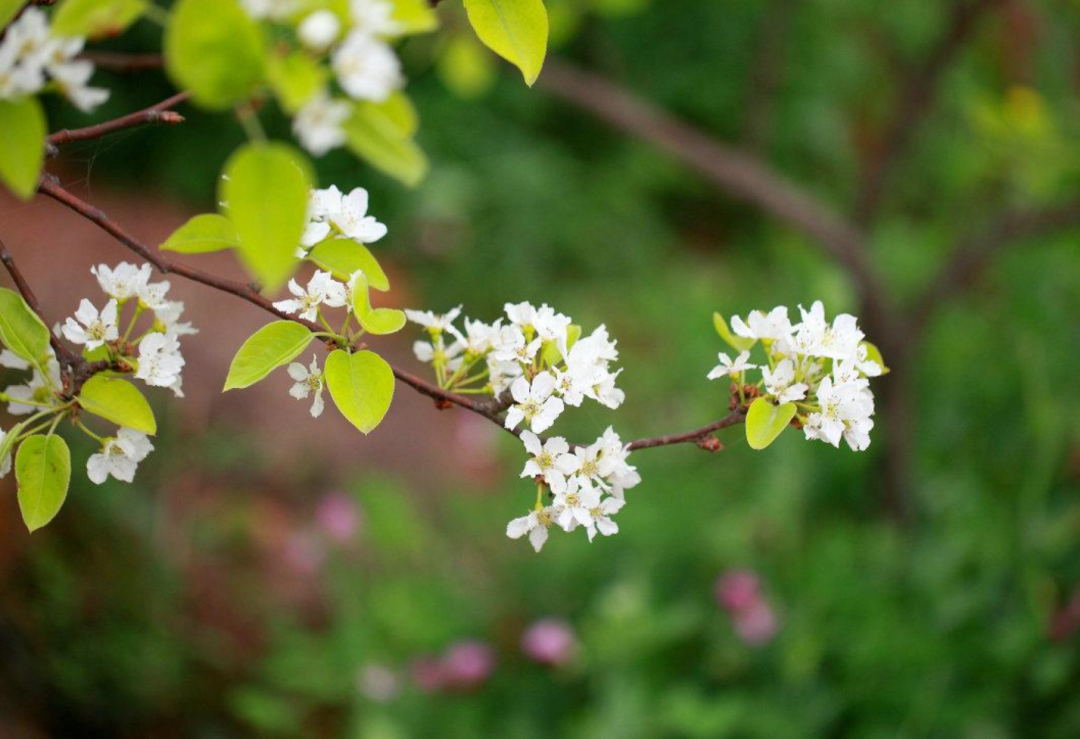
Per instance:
(973,254)
(157,113)
(489,408)
(113,61)
(733,171)
(915,102)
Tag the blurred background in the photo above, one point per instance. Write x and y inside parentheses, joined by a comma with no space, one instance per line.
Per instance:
(268,574)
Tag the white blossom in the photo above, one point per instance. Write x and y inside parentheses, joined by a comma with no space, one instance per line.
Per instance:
(5,463)
(434,322)
(276,10)
(601,517)
(374,17)
(318,126)
(542,463)
(122,282)
(38,389)
(160,361)
(780,382)
(729,368)
(575,505)
(536,525)
(330,211)
(308,381)
(168,315)
(322,289)
(319,30)
(119,456)
(90,327)
(534,403)
(367,68)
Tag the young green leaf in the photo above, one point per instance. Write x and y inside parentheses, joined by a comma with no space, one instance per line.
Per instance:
(362,386)
(516,30)
(343,257)
(415,16)
(8,10)
(377,136)
(765,421)
(466,68)
(7,443)
(267,349)
(738,343)
(118,401)
(378,321)
(21,330)
(43,473)
(265,191)
(203,233)
(96,18)
(295,78)
(22,146)
(214,49)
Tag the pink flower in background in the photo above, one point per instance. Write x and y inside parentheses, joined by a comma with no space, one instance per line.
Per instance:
(549,641)
(378,682)
(739,593)
(468,664)
(304,553)
(339,516)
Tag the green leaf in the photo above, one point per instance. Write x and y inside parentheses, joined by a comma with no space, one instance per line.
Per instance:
(95,18)
(362,386)
(874,354)
(378,321)
(21,330)
(118,401)
(415,16)
(516,30)
(214,49)
(43,471)
(8,9)
(203,233)
(466,68)
(375,134)
(267,349)
(22,146)
(265,191)
(738,343)
(343,257)
(295,78)
(765,421)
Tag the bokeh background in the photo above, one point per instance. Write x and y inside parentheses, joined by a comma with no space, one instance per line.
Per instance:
(272,575)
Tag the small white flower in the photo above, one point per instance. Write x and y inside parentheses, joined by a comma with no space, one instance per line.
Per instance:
(119,457)
(549,325)
(160,361)
(535,524)
(576,503)
(11,360)
(71,78)
(728,368)
(152,295)
(318,125)
(520,314)
(38,389)
(772,327)
(587,465)
(322,288)
(535,404)
(374,17)
(5,463)
(780,382)
(319,30)
(276,10)
(367,68)
(601,516)
(544,457)
(330,210)
(434,322)
(168,315)
(96,328)
(308,380)
(122,282)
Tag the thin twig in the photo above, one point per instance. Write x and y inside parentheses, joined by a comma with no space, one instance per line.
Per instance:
(157,113)
(113,61)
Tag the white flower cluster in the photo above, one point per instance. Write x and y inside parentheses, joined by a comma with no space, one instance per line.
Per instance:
(540,356)
(333,213)
(588,485)
(822,367)
(30,57)
(537,355)
(364,64)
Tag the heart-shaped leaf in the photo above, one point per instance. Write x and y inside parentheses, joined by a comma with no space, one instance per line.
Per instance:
(362,386)
(765,421)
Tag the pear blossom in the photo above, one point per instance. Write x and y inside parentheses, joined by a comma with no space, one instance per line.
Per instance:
(330,211)
(535,524)
(769,327)
(5,463)
(374,18)
(40,388)
(433,322)
(576,504)
(535,403)
(160,361)
(11,360)
(729,368)
(587,465)
(276,10)
(152,295)
(168,315)
(318,125)
(122,282)
(542,463)
(367,68)
(71,78)
(308,381)
(119,456)
(321,289)
(780,382)
(601,517)
(90,327)
(319,30)
(520,314)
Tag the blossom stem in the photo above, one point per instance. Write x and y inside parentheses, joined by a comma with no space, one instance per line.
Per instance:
(131,324)
(82,426)
(5,398)
(249,119)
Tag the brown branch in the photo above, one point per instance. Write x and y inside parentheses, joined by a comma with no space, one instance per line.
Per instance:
(973,254)
(157,113)
(915,102)
(696,436)
(489,408)
(120,62)
(64,354)
(733,171)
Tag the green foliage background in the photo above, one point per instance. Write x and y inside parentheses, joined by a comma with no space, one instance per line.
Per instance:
(938,629)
